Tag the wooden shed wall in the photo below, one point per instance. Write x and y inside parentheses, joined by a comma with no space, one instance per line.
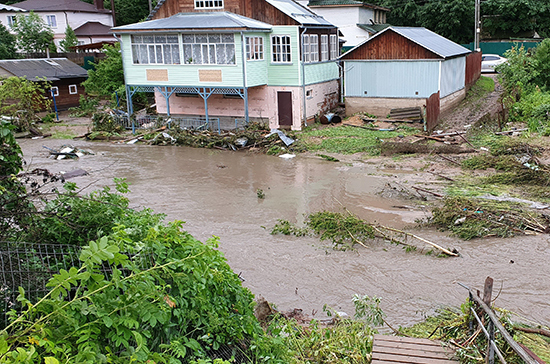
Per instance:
(390,45)
(65,100)
(254,9)
(473,68)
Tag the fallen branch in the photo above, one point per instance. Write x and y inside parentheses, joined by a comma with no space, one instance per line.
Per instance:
(444,177)
(446,251)
(423,190)
(450,134)
(466,140)
(533,331)
(449,159)
(429,137)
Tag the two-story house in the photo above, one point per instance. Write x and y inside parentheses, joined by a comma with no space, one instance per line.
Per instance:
(264,60)
(90,22)
(357,21)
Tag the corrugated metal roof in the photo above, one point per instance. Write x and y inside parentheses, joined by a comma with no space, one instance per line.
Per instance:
(196,21)
(434,42)
(10,8)
(59,5)
(52,69)
(334,3)
(373,28)
(299,13)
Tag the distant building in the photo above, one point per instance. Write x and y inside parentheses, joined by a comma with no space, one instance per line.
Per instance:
(92,21)
(357,21)
(64,76)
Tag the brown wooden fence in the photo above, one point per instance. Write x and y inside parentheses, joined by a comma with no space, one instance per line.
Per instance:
(473,68)
(432,111)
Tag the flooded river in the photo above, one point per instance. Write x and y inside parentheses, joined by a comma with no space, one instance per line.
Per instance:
(214,192)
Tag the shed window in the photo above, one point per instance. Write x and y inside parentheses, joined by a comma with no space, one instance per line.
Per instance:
(73,89)
(11,20)
(280,49)
(314,44)
(306,49)
(310,48)
(208,4)
(209,48)
(156,49)
(55,91)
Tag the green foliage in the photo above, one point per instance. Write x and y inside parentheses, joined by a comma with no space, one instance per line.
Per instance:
(344,342)
(368,309)
(515,18)
(342,229)
(102,121)
(7,44)
(260,193)
(33,34)
(167,298)
(10,152)
(108,75)
(87,106)
(518,73)
(20,99)
(328,158)
(70,40)
(285,227)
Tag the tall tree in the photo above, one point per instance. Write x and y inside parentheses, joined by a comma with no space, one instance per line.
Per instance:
(7,44)
(33,34)
(515,18)
(70,40)
(108,75)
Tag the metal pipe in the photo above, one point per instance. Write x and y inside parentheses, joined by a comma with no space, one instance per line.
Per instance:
(491,342)
(301,43)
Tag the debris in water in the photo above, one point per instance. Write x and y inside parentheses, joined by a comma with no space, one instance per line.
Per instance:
(282,136)
(287,156)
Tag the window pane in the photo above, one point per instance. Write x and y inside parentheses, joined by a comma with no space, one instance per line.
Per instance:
(160,39)
(158,50)
(212,53)
(148,39)
(152,54)
(214,38)
(175,54)
(220,54)
(188,38)
(187,53)
(167,54)
(230,53)
(228,38)
(171,39)
(143,54)
(201,38)
(137,39)
(197,55)
(205,54)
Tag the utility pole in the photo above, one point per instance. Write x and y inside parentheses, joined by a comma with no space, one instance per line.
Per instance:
(477,26)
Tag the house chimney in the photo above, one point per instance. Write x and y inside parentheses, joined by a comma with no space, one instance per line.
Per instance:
(99,4)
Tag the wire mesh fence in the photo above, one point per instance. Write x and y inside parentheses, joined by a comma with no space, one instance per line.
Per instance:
(158,121)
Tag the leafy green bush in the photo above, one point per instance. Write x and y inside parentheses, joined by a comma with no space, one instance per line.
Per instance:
(102,121)
(87,106)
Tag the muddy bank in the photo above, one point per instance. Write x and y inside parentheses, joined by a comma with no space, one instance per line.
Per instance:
(215,193)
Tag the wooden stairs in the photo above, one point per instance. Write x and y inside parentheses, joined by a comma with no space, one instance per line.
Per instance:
(396,350)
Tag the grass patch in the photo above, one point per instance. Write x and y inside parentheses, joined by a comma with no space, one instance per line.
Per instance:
(349,140)
(63,135)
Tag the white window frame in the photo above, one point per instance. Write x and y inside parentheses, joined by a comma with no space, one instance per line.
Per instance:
(324,47)
(333,46)
(208,4)
(51,20)
(55,90)
(155,49)
(209,48)
(281,50)
(73,90)
(255,48)
(11,20)
(314,44)
(306,49)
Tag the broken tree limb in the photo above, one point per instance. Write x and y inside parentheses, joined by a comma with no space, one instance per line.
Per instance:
(444,177)
(449,134)
(429,137)
(430,192)
(466,140)
(446,251)
(533,331)
(449,159)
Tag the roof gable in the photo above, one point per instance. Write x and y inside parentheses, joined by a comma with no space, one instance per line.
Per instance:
(52,69)
(92,28)
(59,5)
(431,42)
(299,13)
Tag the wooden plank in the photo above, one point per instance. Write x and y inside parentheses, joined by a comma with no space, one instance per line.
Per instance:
(410,346)
(400,339)
(409,359)
(416,352)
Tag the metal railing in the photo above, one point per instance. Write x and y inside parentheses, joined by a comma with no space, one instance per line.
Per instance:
(158,121)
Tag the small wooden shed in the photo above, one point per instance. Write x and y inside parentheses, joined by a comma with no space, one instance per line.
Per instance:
(408,67)
(64,76)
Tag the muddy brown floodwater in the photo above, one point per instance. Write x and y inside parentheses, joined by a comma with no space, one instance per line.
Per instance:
(214,192)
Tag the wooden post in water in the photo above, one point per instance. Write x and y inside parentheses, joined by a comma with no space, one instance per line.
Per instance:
(488,291)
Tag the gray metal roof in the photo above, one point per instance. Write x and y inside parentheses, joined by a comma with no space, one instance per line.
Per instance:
(60,5)
(10,8)
(53,69)
(196,21)
(434,42)
(299,13)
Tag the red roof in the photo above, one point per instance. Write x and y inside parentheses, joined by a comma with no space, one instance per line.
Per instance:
(59,5)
